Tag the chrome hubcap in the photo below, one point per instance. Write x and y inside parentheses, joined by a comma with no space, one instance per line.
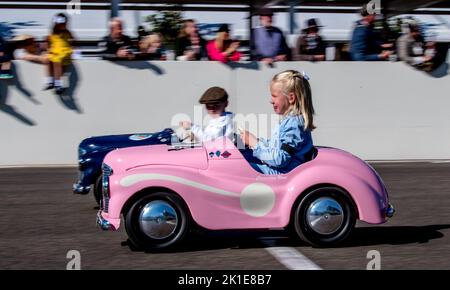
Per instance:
(325,215)
(158,219)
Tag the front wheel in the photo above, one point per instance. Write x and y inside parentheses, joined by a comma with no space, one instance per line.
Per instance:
(324,217)
(157,221)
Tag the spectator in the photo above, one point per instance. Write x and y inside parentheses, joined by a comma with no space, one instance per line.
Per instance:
(268,43)
(151,48)
(365,44)
(117,45)
(223,49)
(26,48)
(412,49)
(59,44)
(310,45)
(5,60)
(189,44)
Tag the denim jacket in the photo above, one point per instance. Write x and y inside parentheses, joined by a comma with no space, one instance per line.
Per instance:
(286,149)
(365,44)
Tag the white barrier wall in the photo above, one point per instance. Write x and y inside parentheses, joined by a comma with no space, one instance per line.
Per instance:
(378,111)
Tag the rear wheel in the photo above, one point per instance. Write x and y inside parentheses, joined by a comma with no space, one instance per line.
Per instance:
(98,195)
(324,217)
(157,221)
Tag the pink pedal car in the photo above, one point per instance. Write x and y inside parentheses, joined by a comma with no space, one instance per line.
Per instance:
(162,191)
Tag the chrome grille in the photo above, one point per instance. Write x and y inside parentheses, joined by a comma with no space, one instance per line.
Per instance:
(107,172)
(105,204)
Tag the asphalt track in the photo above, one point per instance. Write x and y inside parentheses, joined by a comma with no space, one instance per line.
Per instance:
(41,220)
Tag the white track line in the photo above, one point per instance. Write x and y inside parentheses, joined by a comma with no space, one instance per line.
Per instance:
(291,258)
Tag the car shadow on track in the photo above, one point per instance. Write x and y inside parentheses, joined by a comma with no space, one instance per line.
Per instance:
(394,235)
(362,236)
(217,240)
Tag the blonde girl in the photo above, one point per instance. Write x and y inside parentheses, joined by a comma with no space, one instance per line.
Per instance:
(291,141)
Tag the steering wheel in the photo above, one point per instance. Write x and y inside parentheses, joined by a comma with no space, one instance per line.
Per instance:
(184,135)
(237,141)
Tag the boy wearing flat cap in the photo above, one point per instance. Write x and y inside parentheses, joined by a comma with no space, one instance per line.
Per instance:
(220,124)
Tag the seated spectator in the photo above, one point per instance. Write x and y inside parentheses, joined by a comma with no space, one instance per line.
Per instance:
(223,49)
(268,43)
(365,44)
(189,44)
(412,49)
(117,45)
(5,60)
(26,48)
(310,45)
(59,44)
(151,48)
(141,32)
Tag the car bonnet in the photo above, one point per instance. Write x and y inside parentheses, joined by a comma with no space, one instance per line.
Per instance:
(132,157)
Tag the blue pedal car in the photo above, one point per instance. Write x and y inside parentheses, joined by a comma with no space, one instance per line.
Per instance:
(93,150)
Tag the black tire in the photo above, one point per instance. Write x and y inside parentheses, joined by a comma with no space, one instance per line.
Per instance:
(347,220)
(98,195)
(141,240)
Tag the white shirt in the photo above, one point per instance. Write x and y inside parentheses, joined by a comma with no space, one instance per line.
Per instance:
(217,127)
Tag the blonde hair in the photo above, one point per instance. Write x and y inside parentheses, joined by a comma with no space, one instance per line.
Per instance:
(294,82)
(154,38)
(149,40)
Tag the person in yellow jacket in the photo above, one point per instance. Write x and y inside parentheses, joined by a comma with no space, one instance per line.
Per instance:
(59,53)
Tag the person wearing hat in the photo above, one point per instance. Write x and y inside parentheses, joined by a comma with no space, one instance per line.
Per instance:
(220,121)
(268,43)
(310,45)
(222,48)
(366,45)
(59,44)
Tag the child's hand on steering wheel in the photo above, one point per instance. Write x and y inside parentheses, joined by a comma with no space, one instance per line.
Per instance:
(248,138)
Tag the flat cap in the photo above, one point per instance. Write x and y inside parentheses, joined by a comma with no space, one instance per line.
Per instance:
(213,95)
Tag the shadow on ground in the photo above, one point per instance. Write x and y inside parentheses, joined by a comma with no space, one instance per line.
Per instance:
(363,236)
(395,235)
